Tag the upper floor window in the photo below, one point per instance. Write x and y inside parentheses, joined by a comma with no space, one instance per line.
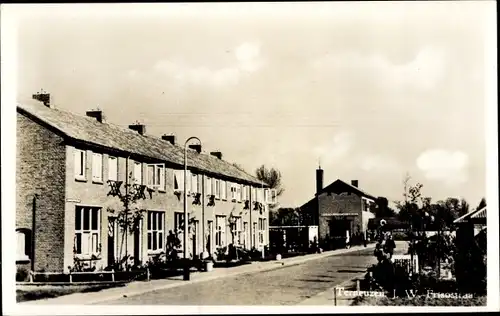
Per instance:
(233,191)
(156,176)
(208,186)
(80,164)
(223,191)
(96,167)
(137,172)
(270,196)
(112,168)
(194,183)
(178,180)
(244,195)
(217,188)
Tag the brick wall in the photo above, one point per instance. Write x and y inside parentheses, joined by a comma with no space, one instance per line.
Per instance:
(332,203)
(40,170)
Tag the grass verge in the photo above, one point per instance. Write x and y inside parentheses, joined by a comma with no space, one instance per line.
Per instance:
(421,300)
(43,292)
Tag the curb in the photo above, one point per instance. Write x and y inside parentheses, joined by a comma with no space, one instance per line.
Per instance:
(259,267)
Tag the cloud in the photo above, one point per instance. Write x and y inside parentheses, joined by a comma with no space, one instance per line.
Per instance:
(442,165)
(247,59)
(339,147)
(424,72)
(380,163)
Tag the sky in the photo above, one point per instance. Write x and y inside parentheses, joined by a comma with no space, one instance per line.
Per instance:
(370,91)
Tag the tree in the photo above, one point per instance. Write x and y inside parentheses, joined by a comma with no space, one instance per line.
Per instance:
(271,177)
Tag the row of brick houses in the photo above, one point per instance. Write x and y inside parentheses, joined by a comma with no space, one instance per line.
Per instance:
(67,164)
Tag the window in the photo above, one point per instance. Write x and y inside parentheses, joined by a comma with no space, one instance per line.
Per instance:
(245,235)
(233,192)
(220,230)
(238,192)
(112,168)
(266,195)
(87,230)
(155,231)
(274,197)
(217,188)
(254,232)
(96,167)
(80,164)
(156,176)
(194,183)
(178,221)
(244,195)
(23,237)
(262,229)
(208,186)
(254,194)
(137,172)
(237,230)
(223,191)
(178,180)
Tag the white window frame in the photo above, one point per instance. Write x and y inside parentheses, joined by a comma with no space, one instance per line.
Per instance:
(217,188)
(223,185)
(97,167)
(237,229)
(156,231)
(266,195)
(220,230)
(112,174)
(178,221)
(80,159)
(233,192)
(238,192)
(262,229)
(188,181)
(194,183)
(157,182)
(137,172)
(208,186)
(179,178)
(91,245)
(273,196)
(244,195)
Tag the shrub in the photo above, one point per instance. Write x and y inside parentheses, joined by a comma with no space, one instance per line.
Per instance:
(22,275)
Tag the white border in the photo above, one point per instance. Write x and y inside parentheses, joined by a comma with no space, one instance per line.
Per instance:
(9,14)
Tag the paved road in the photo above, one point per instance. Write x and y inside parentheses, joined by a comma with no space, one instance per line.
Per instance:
(285,286)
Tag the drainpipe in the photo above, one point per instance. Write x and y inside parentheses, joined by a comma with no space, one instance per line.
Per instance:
(33,228)
(204,244)
(250,191)
(126,211)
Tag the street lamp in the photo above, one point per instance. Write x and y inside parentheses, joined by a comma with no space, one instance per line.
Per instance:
(198,148)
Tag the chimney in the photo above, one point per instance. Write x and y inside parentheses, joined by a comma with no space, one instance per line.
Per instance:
(354,183)
(139,128)
(42,97)
(196,147)
(319,180)
(217,154)
(169,138)
(97,114)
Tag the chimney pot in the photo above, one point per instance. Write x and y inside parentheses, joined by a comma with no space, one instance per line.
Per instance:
(319,180)
(169,138)
(217,154)
(97,114)
(140,128)
(354,183)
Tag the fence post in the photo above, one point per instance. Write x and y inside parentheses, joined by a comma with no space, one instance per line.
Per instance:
(335,296)
(113,275)
(31,276)
(70,277)
(358,287)
(147,274)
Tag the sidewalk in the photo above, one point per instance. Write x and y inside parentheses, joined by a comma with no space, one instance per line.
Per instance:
(140,287)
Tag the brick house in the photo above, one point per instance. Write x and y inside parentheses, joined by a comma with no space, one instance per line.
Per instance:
(66,166)
(339,209)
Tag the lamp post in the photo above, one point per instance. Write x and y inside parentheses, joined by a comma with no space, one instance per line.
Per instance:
(186,266)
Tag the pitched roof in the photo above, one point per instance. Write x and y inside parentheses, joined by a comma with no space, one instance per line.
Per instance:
(89,130)
(479,214)
(358,190)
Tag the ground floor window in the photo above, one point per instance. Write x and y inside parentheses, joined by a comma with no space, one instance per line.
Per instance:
(87,230)
(220,231)
(262,229)
(23,251)
(156,230)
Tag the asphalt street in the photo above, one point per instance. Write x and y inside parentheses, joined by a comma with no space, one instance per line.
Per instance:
(288,285)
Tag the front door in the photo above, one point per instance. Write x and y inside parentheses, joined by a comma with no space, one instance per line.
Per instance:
(111,240)
(137,244)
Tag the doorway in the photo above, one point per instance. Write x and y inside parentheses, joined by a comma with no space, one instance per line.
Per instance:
(111,240)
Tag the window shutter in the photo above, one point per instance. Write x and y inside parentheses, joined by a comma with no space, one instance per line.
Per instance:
(113,168)
(162,176)
(78,162)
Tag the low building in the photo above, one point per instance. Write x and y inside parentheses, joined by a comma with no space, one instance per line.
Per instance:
(473,222)
(70,168)
(340,210)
